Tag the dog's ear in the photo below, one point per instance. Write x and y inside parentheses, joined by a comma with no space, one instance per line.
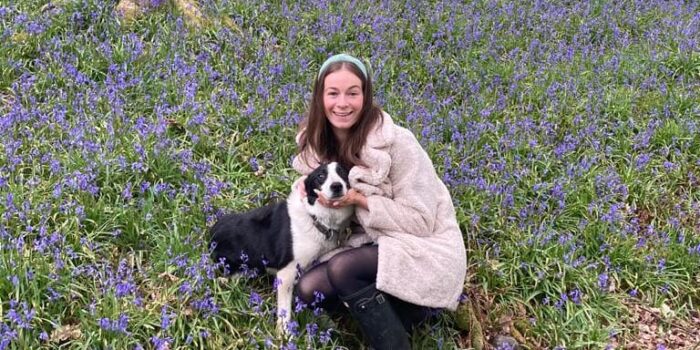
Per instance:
(343,173)
(311,195)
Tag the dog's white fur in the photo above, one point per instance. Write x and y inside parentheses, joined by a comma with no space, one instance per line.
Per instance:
(309,244)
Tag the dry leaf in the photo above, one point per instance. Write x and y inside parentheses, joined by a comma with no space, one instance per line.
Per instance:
(188,311)
(666,311)
(65,333)
(128,9)
(190,8)
(169,276)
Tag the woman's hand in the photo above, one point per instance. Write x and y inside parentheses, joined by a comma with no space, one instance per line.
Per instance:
(352,197)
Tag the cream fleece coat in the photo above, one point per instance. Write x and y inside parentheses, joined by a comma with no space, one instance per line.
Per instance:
(422,257)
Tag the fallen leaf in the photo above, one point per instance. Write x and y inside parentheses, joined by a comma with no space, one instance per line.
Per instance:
(65,333)
(169,276)
(128,9)
(666,311)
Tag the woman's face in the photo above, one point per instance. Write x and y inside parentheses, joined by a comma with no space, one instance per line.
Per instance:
(342,101)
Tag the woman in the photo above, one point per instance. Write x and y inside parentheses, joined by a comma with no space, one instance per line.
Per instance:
(417,259)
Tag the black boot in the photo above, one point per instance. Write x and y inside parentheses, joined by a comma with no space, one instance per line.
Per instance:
(378,320)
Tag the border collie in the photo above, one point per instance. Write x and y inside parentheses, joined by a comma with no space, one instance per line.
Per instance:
(284,237)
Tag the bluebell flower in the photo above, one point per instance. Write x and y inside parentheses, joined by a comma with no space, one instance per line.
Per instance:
(325,336)
(293,328)
(311,329)
(161,343)
(603,281)
(575,296)
(164,318)
(563,299)
(299,305)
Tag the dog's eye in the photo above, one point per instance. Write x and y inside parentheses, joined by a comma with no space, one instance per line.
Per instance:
(321,177)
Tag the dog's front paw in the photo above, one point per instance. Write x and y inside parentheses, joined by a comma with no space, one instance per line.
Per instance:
(287,327)
(283,319)
(280,326)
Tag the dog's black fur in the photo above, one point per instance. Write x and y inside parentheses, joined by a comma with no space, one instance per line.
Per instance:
(259,239)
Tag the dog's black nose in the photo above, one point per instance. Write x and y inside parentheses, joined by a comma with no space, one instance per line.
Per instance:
(337,187)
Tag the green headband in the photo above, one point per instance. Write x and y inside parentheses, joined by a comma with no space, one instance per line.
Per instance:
(342,58)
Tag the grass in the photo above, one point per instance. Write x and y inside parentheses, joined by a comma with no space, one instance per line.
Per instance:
(566,133)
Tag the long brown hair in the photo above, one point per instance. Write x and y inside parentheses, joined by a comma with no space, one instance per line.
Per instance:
(317,133)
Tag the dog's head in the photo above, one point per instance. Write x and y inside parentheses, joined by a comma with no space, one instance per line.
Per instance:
(331,179)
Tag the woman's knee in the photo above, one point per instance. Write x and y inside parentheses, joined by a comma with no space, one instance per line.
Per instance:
(352,270)
(305,290)
(340,268)
(313,286)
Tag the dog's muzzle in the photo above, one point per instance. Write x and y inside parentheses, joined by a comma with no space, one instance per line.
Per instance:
(337,190)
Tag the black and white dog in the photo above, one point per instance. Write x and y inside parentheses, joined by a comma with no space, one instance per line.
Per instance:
(283,237)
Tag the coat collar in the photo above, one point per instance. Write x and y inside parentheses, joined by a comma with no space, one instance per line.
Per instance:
(383,133)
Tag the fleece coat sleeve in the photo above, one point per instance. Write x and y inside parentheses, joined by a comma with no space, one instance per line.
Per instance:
(410,210)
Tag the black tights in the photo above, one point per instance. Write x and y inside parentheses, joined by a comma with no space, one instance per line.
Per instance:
(346,273)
